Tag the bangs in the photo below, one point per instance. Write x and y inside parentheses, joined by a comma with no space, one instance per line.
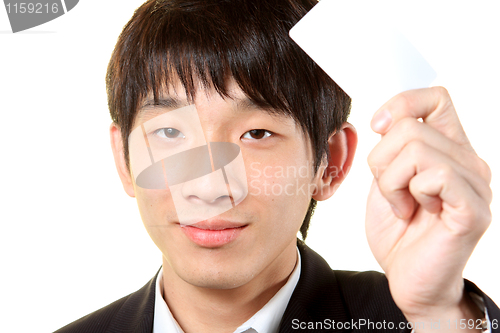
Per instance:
(211,42)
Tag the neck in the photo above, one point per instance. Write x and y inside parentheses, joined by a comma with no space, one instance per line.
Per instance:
(198,309)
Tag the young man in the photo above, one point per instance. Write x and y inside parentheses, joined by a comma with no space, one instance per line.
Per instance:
(227,134)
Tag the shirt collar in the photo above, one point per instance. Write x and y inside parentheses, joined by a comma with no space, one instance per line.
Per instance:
(267,319)
(163,319)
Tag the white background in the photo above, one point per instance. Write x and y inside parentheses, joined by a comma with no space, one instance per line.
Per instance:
(72,241)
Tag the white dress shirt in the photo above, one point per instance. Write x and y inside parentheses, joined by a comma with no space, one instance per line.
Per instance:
(266,320)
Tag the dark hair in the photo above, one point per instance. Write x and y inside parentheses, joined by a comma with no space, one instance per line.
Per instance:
(213,41)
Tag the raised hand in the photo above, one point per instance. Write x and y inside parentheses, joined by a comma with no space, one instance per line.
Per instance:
(428,205)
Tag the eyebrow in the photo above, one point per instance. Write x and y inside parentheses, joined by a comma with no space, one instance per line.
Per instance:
(152,108)
(245,104)
(166,102)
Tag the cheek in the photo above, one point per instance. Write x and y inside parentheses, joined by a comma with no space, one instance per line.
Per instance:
(156,207)
(283,189)
(158,215)
(280,179)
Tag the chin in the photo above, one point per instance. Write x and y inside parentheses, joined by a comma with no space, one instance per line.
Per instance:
(216,279)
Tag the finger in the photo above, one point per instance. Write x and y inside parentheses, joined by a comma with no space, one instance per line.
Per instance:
(442,188)
(410,129)
(417,157)
(433,105)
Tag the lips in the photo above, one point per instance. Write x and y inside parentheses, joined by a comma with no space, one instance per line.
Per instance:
(215,233)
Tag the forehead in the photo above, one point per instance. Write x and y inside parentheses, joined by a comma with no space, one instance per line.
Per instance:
(175,97)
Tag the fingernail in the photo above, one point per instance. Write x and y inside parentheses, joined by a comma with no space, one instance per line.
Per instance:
(381,121)
(396,211)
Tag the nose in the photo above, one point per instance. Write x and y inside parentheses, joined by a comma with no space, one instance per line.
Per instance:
(206,181)
(223,177)
(211,189)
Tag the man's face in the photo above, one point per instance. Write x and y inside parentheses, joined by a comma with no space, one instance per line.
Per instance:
(261,226)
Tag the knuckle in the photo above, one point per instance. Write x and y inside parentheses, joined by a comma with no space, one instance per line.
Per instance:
(470,213)
(375,170)
(445,172)
(385,183)
(374,163)
(480,217)
(404,101)
(489,195)
(376,160)
(444,97)
(486,218)
(484,170)
(372,158)
(408,127)
(415,148)
(442,91)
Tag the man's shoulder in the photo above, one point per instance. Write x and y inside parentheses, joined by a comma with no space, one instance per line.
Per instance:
(353,295)
(132,313)
(324,296)
(367,295)
(365,284)
(96,321)
(360,282)
(359,292)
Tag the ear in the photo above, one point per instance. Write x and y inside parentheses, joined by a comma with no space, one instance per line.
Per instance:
(332,172)
(121,166)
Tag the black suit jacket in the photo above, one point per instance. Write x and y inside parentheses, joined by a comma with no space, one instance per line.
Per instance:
(321,296)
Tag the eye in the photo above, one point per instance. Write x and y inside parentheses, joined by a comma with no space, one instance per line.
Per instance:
(169,133)
(257,134)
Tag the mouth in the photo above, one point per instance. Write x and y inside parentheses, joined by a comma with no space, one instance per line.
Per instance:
(213,233)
